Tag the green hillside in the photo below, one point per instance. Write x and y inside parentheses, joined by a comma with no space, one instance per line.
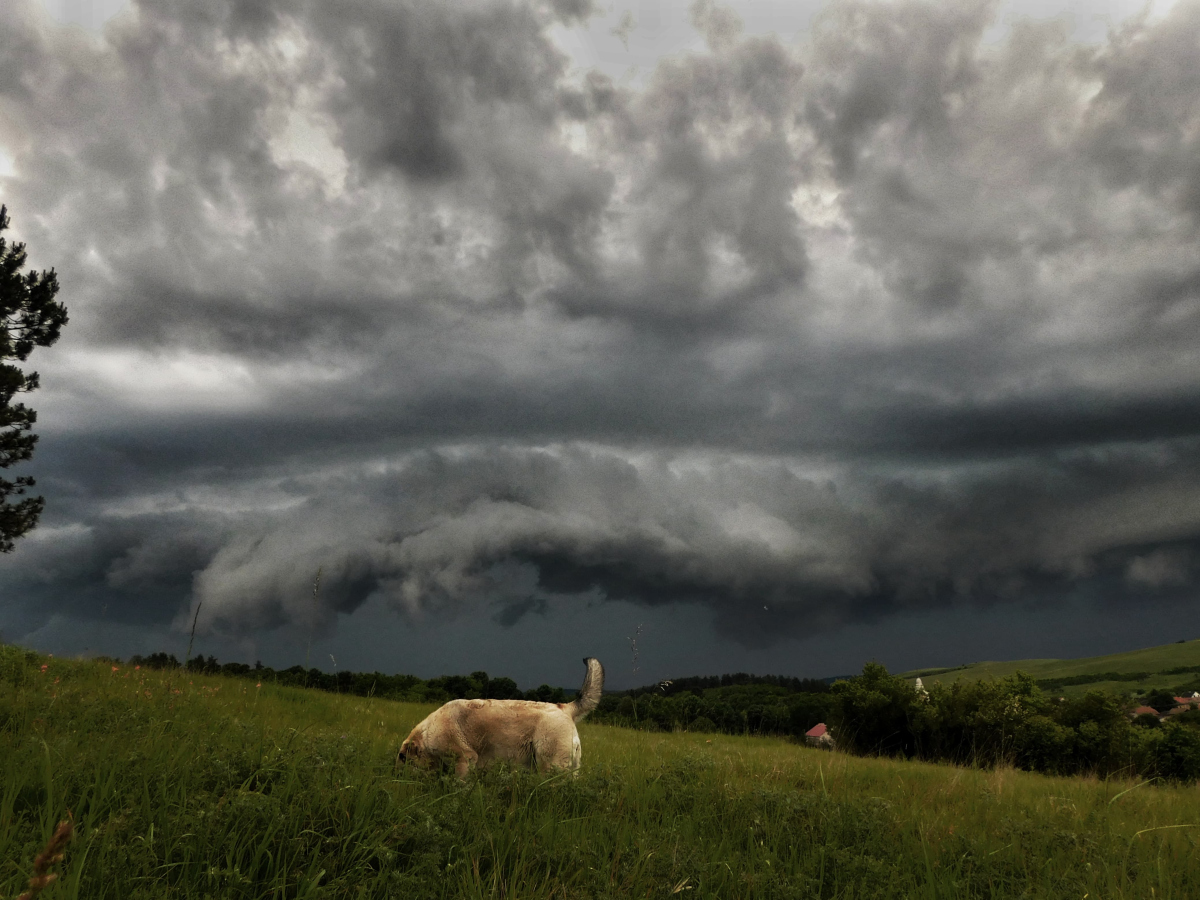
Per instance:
(185,785)
(1163,666)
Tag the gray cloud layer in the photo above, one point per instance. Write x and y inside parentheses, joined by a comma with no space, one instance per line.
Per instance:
(893,319)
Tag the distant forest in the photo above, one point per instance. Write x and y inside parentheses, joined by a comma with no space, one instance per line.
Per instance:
(406,688)
(738,703)
(732,704)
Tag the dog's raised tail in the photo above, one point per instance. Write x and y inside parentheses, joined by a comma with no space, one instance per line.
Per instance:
(589,694)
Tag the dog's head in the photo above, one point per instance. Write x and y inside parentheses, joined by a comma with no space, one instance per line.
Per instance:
(411,750)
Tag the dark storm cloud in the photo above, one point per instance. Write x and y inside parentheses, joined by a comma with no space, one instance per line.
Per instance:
(893,320)
(769,547)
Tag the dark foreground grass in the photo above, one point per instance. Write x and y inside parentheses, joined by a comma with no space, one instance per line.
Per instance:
(209,787)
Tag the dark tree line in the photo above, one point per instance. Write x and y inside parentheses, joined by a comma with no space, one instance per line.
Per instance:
(731,704)
(1010,721)
(697,684)
(406,688)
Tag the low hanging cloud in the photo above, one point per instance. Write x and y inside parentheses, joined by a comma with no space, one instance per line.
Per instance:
(892,318)
(767,546)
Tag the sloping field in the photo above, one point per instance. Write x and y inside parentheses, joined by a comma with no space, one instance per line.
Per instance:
(1148,660)
(184,786)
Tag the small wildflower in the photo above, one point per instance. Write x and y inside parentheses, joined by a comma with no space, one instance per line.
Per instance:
(45,667)
(115,668)
(258,685)
(135,668)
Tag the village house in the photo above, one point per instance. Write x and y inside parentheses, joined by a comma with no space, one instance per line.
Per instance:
(1182,705)
(819,736)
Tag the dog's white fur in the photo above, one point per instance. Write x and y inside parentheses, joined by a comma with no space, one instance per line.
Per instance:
(542,736)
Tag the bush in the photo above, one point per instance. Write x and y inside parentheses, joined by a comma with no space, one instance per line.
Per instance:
(1190,718)
(502,689)
(17,666)
(1179,753)
(155,661)
(877,713)
(547,694)
(1160,699)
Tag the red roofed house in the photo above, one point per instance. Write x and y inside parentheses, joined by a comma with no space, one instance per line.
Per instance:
(819,736)
(1185,704)
(1142,710)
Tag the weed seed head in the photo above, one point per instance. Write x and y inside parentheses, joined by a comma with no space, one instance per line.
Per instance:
(51,854)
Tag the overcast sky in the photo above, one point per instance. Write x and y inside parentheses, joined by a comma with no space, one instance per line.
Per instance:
(797,334)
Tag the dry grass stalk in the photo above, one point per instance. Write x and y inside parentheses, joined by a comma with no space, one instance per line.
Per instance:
(51,854)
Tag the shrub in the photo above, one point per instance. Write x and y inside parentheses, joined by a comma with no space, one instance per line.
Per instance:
(1179,753)
(876,713)
(17,666)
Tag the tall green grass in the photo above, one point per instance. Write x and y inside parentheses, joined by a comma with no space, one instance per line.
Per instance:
(190,786)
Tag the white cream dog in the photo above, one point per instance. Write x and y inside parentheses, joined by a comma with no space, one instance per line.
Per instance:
(539,735)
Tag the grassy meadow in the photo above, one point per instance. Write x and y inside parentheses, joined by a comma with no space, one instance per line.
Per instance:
(204,786)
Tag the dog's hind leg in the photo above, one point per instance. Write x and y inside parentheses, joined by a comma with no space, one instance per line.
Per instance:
(557,754)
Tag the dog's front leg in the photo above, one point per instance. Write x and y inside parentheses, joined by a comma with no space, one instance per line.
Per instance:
(465,759)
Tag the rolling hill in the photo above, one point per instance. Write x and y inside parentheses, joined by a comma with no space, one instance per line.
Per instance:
(186,784)
(1165,666)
